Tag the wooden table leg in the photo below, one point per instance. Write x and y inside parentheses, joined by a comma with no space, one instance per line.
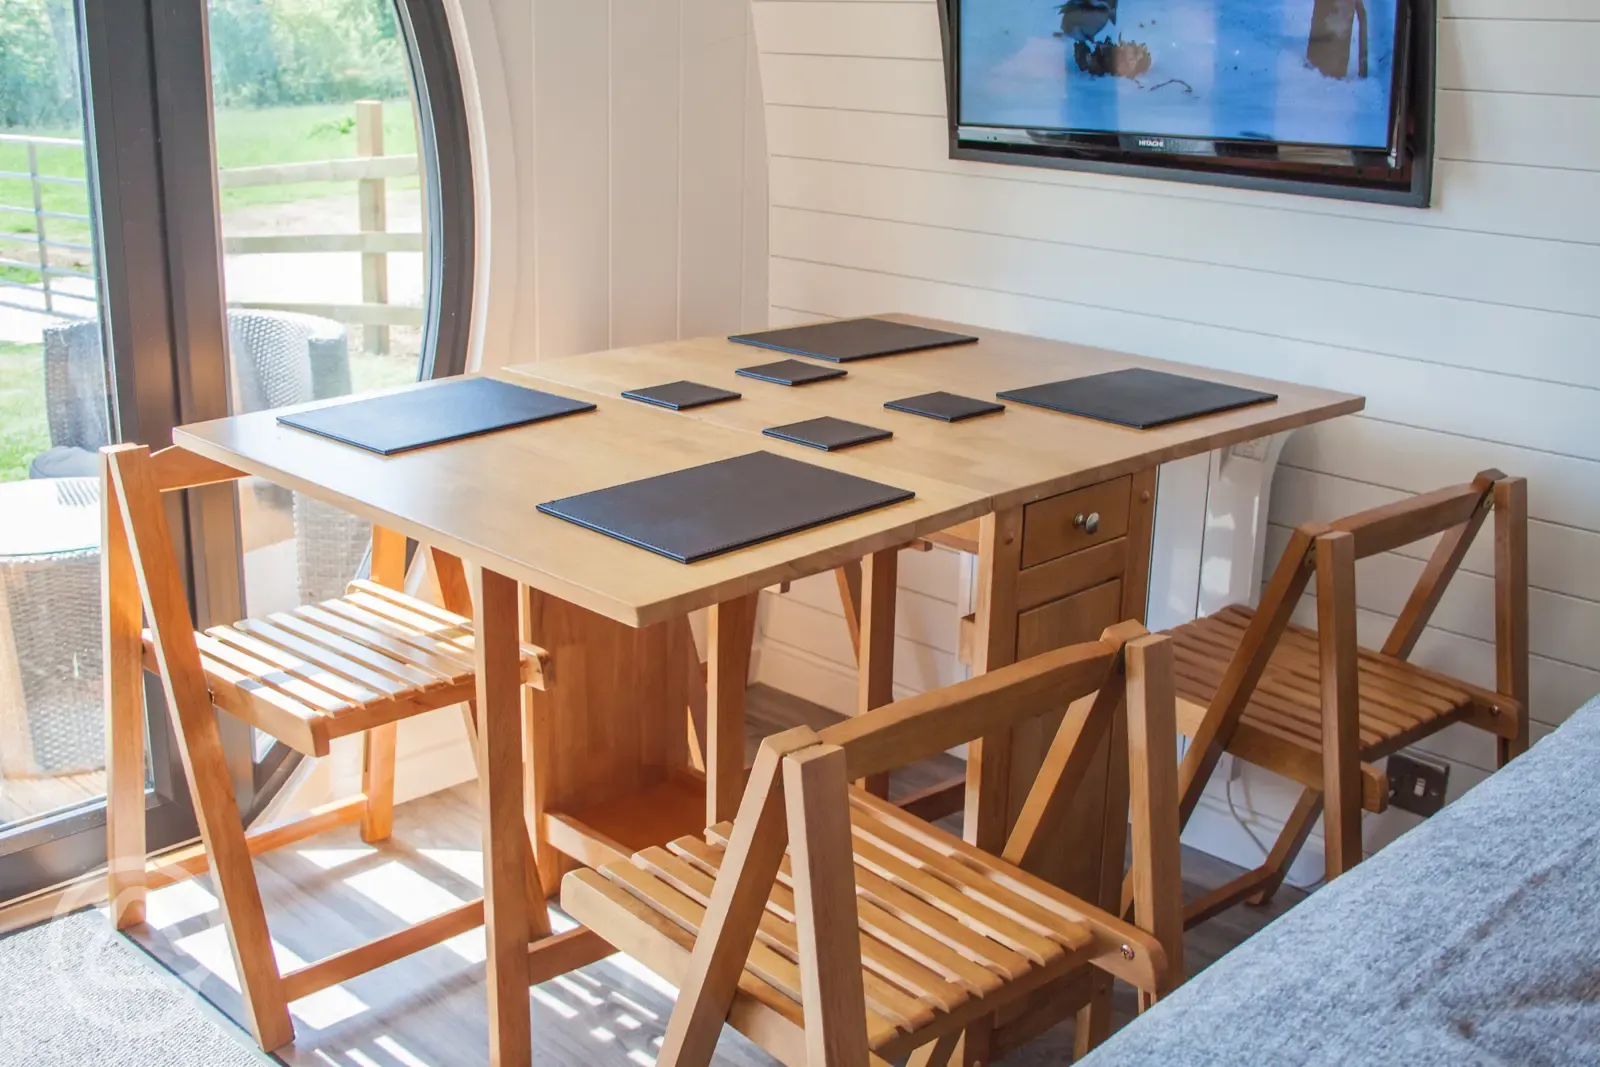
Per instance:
(880,581)
(506,926)
(731,626)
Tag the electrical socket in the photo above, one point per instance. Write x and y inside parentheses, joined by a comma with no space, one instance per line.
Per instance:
(1417,785)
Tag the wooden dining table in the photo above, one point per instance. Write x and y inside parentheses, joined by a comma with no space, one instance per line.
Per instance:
(633,742)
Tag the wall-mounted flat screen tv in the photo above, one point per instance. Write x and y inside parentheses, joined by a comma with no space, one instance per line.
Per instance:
(1321,96)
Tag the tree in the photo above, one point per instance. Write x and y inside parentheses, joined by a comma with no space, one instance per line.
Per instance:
(1332,30)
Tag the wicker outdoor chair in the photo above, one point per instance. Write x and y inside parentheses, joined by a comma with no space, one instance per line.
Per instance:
(279,358)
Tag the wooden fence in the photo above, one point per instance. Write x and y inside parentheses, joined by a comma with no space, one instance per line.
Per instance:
(371,170)
(39,242)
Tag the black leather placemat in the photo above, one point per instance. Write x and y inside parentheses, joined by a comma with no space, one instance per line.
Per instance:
(433,414)
(705,511)
(680,396)
(946,407)
(792,372)
(848,339)
(828,433)
(1138,397)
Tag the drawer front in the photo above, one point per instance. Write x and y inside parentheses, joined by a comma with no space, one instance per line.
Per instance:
(1069,621)
(1075,521)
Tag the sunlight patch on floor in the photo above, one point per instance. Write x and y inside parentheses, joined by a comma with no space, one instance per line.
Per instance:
(464,863)
(209,949)
(179,902)
(329,858)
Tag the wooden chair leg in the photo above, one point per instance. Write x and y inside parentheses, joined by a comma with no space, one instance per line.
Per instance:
(1153,791)
(123,617)
(738,900)
(194,721)
(1288,846)
(1341,739)
(377,782)
(1092,1025)
(378,744)
(1511,606)
(827,926)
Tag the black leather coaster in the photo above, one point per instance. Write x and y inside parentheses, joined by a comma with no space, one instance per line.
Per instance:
(1138,397)
(850,339)
(433,414)
(946,407)
(705,511)
(680,396)
(828,433)
(792,372)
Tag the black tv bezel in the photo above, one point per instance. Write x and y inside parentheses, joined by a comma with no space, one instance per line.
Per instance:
(1268,166)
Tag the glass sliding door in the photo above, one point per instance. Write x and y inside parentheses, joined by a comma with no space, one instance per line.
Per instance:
(206,207)
(325,197)
(54,413)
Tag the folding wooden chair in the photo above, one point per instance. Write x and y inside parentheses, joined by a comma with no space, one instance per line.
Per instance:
(878,936)
(357,664)
(1317,708)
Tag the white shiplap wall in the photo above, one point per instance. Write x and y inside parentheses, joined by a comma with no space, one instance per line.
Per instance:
(1471,327)
(622,172)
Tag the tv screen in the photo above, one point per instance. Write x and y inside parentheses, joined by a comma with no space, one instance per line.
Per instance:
(1293,72)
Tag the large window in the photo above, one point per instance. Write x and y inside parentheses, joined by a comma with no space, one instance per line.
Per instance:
(205,209)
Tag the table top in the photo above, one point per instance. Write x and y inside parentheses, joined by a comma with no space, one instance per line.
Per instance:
(477,497)
(49,517)
(1014,458)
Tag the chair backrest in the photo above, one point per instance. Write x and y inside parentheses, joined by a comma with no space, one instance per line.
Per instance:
(139,565)
(798,799)
(1329,552)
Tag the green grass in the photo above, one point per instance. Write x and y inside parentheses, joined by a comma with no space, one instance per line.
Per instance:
(246,137)
(24,433)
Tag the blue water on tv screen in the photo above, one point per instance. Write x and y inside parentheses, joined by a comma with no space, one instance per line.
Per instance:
(1211,69)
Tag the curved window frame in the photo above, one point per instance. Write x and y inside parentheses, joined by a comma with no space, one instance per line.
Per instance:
(446,147)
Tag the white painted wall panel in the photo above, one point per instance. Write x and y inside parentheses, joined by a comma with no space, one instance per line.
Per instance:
(1487,198)
(629,160)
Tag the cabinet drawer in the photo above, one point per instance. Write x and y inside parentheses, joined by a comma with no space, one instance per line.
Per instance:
(1081,617)
(1075,521)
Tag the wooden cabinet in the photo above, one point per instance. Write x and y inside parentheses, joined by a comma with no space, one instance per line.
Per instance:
(1059,572)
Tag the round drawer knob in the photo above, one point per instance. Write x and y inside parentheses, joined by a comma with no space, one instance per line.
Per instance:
(1089,524)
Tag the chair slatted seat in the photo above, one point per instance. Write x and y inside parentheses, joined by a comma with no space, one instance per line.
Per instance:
(1399,702)
(866,934)
(343,666)
(1319,709)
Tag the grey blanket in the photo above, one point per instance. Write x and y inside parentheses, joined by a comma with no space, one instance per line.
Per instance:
(1473,939)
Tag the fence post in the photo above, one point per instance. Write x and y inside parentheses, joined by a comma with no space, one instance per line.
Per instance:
(374,208)
(38,227)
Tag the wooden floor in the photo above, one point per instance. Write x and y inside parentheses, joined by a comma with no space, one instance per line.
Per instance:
(428,1010)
